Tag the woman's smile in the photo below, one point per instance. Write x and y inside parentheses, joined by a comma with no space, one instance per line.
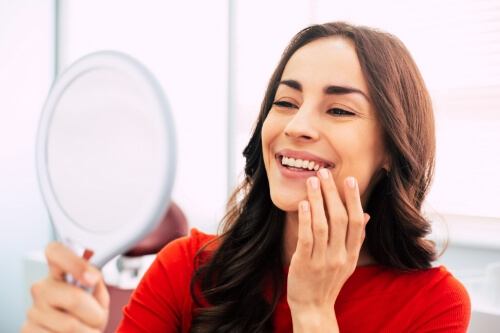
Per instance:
(300,164)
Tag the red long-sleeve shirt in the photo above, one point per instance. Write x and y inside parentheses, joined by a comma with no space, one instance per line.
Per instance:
(373,299)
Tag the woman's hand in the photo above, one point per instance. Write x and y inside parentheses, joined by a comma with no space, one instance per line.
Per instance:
(327,251)
(62,307)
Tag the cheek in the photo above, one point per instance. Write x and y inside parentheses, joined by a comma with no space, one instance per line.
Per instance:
(270,131)
(284,195)
(362,156)
(265,138)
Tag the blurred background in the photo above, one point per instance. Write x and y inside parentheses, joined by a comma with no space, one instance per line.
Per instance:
(213,59)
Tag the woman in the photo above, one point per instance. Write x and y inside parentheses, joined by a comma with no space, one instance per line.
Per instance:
(345,136)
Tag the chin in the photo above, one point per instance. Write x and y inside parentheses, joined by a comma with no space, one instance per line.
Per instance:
(288,202)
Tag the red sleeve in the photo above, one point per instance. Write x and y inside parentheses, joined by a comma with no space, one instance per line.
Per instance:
(447,309)
(162,301)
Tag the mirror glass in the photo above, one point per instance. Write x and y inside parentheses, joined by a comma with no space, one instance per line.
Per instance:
(106,153)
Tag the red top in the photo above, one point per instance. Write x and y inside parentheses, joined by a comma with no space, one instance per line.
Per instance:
(373,299)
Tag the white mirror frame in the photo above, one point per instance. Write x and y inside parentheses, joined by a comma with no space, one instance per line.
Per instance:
(105,245)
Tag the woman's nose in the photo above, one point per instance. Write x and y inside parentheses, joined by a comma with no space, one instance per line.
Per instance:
(302,126)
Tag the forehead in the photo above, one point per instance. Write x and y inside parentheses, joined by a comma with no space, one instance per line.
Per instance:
(326,61)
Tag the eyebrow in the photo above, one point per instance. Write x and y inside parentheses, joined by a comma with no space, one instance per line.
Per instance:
(328,90)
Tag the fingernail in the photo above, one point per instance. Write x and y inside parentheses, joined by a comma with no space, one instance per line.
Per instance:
(304,205)
(323,173)
(314,182)
(351,182)
(87,254)
(90,277)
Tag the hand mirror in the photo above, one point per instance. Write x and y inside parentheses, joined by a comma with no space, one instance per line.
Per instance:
(105,154)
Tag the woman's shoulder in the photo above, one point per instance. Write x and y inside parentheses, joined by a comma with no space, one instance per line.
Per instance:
(435,282)
(444,300)
(165,288)
(427,299)
(442,286)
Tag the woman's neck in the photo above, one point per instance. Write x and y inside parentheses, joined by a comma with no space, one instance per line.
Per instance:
(290,242)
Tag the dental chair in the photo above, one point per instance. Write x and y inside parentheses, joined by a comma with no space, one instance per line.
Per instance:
(124,272)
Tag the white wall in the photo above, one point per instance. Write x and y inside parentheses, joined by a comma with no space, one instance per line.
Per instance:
(184,43)
(25,75)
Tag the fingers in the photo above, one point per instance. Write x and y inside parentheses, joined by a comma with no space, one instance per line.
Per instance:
(62,307)
(337,215)
(305,235)
(319,221)
(49,295)
(356,225)
(341,227)
(101,294)
(29,327)
(62,260)
(52,320)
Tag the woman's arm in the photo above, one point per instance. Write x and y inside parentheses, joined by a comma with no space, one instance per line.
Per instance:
(327,252)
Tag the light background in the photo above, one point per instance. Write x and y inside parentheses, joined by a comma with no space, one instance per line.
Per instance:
(185,43)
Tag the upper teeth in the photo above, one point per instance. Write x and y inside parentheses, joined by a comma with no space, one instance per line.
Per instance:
(298,163)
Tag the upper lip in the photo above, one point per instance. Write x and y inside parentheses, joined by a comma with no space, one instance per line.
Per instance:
(303,155)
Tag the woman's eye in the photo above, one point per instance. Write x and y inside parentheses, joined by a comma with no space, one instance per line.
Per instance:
(284,104)
(340,112)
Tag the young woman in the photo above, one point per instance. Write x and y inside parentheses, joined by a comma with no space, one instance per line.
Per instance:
(325,234)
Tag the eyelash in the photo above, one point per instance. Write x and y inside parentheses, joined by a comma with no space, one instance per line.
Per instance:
(333,111)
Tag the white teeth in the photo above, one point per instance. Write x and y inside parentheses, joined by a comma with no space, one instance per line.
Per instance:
(299,163)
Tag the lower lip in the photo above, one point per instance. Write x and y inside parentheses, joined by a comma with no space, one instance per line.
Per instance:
(292,173)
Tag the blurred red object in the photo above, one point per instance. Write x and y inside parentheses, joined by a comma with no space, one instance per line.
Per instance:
(173,226)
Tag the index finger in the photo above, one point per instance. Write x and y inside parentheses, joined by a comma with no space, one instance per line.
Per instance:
(62,260)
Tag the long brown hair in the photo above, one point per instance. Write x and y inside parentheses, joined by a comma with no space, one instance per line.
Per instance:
(248,261)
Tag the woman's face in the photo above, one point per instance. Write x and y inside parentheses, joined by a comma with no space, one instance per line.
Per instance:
(321,117)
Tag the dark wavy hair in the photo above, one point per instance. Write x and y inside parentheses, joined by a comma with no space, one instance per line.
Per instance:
(238,288)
